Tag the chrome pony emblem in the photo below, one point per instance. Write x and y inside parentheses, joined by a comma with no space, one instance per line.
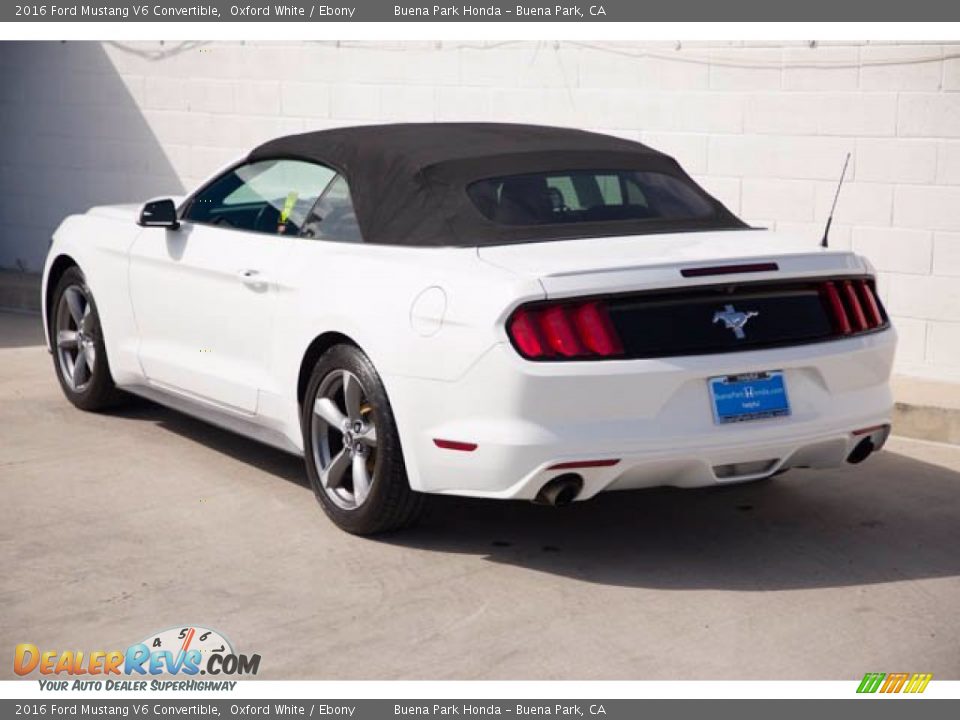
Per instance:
(734,319)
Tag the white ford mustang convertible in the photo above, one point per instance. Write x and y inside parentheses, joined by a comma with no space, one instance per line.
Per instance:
(502,311)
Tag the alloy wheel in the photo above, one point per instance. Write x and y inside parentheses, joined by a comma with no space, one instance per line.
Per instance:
(76,338)
(344,433)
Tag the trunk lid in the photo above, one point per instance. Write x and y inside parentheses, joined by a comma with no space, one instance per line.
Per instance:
(624,264)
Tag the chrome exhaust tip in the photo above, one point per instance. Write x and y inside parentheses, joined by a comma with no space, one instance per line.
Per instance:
(875,437)
(561,490)
(862,451)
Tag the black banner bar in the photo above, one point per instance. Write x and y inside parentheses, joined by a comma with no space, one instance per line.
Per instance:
(151,709)
(485,11)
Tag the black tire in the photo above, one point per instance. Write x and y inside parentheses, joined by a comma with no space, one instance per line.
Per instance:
(390,503)
(98,392)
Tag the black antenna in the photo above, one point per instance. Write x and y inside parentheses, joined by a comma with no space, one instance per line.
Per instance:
(826,230)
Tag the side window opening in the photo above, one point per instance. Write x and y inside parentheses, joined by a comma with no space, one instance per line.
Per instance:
(333,217)
(269,196)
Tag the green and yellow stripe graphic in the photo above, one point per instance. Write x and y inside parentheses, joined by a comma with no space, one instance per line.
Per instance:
(894,682)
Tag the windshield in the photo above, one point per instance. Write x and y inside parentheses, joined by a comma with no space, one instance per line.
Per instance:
(589,196)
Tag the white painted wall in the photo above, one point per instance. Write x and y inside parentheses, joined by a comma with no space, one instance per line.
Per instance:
(764,127)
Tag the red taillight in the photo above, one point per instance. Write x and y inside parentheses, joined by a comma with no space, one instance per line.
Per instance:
(870,305)
(853,305)
(526,334)
(565,329)
(559,330)
(840,319)
(595,329)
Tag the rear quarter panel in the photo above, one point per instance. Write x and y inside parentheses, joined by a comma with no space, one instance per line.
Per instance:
(428,313)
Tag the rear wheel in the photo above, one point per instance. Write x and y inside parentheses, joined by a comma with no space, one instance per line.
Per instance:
(352,449)
(79,354)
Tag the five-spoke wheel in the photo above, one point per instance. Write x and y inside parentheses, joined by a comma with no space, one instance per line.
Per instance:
(76,336)
(352,448)
(344,439)
(78,349)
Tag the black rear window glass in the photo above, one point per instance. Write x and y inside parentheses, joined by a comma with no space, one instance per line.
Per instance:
(588,196)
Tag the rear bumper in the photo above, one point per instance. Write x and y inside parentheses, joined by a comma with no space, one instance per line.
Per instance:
(653,416)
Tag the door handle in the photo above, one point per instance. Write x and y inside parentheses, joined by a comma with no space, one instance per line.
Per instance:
(253,279)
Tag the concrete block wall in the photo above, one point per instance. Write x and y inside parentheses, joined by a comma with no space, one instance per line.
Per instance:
(764,126)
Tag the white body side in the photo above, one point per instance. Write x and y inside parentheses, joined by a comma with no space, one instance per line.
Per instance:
(218,322)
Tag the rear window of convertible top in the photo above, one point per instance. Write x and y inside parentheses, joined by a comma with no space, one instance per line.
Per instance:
(588,196)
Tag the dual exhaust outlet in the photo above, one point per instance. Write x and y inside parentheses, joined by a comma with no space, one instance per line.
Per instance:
(564,489)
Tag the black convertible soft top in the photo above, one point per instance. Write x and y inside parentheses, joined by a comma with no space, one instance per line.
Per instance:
(408,181)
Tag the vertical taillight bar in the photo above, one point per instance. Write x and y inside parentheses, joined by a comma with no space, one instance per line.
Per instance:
(853,303)
(596,330)
(870,305)
(525,331)
(840,319)
(558,328)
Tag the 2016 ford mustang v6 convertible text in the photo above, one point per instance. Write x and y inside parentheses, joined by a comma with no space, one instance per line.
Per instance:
(503,311)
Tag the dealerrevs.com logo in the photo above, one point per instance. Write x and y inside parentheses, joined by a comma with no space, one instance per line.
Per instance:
(185,651)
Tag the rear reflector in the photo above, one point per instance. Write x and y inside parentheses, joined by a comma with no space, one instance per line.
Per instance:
(579,464)
(869,430)
(729,269)
(564,330)
(454,445)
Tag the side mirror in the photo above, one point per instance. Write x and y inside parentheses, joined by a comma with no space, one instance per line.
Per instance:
(159,213)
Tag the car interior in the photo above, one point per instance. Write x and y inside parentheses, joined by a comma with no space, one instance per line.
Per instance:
(587,196)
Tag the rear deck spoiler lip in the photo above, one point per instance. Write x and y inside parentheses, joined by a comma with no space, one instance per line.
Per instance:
(825,262)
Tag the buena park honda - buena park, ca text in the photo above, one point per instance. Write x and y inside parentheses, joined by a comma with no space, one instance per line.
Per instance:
(306,11)
(548,11)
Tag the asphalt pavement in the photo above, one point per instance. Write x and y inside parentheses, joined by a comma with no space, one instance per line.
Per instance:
(119,525)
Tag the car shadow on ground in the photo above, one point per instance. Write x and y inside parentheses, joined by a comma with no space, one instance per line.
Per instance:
(269,460)
(890,519)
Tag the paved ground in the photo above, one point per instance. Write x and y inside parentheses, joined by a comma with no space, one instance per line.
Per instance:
(114,526)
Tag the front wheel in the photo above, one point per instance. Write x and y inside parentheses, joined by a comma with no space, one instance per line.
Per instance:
(351,446)
(79,353)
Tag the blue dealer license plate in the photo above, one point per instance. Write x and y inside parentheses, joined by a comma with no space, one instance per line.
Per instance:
(751,396)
